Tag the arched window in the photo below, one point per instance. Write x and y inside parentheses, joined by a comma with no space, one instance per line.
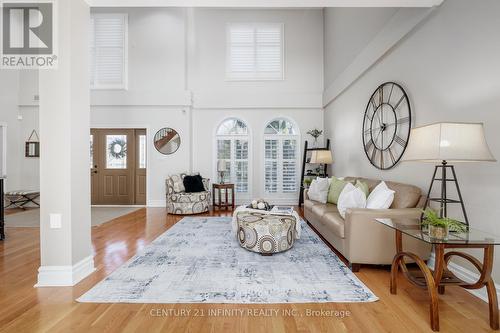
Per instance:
(281,138)
(232,147)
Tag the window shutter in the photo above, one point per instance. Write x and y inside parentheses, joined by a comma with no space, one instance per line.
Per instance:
(255,51)
(289,165)
(108,51)
(271,166)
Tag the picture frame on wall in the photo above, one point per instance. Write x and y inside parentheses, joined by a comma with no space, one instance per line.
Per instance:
(32,147)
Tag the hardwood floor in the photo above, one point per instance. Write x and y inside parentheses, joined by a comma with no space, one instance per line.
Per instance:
(24,308)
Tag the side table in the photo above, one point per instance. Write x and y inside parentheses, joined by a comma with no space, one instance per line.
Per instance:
(219,203)
(437,279)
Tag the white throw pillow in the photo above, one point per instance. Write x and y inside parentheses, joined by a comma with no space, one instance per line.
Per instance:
(381,197)
(350,197)
(318,190)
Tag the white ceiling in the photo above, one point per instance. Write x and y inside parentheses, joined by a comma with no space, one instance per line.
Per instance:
(264,3)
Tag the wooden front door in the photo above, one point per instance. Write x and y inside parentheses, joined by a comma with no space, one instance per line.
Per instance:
(115,167)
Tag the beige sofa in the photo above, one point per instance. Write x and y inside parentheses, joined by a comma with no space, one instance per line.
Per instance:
(359,238)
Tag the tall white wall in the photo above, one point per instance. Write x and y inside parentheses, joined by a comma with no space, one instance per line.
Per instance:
(449,67)
(177,79)
(9,85)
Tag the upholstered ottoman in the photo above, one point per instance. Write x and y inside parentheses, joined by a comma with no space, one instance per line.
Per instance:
(266,233)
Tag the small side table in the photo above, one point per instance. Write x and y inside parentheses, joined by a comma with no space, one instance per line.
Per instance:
(437,279)
(219,203)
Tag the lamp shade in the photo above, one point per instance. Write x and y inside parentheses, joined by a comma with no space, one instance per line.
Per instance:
(453,142)
(221,166)
(321,157)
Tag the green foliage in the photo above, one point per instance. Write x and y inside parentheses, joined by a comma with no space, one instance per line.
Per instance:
(431,217)
(315,133)
(307,181)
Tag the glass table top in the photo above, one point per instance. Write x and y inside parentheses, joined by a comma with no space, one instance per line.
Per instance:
(413,228)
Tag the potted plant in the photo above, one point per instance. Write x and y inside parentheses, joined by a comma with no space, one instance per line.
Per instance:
(315,133)
(307,182)
(439,227)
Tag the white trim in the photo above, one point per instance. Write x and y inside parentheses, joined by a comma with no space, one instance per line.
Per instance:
(264,3)
(3,149)
(118,206)
(467,276)
(62,276)
(157,203)
(402,23)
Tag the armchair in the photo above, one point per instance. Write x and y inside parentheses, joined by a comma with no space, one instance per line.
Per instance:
(181,203)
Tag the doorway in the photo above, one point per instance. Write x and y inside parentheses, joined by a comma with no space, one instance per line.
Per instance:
(118,166)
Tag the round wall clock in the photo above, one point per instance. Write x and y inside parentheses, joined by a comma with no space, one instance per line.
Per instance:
(386,125)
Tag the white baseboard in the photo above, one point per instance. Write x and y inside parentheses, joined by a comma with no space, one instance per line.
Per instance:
(61,276)
(157,203)
(117,206)
(467,276)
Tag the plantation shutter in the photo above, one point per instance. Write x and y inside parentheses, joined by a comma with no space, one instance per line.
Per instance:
(271,166)
(289,165)
(255,52)
(108,51)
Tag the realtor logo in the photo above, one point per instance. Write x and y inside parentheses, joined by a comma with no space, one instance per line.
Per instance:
(28,35)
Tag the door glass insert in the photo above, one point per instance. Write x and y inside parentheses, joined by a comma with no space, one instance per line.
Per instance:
(91,151)
(142,151)
(116,151)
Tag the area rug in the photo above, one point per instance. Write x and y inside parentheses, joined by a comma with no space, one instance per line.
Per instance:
(99,215)
(198,260)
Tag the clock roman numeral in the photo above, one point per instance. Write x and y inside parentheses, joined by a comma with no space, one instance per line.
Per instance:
(391,154)
(372,100)
(390,94)
(400,140)
(399,102)
(382,159)
(368,145)
(381,95)
(374,154)
(403,120)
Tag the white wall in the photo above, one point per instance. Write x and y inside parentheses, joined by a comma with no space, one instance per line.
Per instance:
(177,62)
(450,69)
(9,80)
(347,32)
(303,43)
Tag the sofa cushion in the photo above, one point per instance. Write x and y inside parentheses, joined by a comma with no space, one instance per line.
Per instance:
(406,196)
(322,209)
(336,187)
(334,222)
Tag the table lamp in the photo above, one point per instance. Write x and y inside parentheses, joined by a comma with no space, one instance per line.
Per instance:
(444,143)
(221,169)
(321,157)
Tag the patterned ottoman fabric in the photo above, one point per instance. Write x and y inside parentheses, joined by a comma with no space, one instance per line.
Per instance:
(182,203)
(264,233)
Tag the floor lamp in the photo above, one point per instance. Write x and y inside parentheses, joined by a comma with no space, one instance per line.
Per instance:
(446,143)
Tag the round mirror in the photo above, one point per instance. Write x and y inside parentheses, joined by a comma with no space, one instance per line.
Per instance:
(167,141)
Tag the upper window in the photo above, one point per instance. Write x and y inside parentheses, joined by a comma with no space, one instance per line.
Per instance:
(281,157)
(233,150)
(254,51)
(108,51)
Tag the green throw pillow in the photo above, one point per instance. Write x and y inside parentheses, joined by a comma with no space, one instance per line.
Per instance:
(363,187)
(336,187)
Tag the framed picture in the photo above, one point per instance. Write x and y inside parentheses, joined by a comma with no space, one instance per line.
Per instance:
(32,147)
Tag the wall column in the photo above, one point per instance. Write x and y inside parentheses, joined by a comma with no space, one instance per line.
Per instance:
(66,253)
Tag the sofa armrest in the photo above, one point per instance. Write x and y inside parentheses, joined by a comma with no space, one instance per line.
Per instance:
(306,196)
(369,241)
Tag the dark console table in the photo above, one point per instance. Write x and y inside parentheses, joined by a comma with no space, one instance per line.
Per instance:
(2,213)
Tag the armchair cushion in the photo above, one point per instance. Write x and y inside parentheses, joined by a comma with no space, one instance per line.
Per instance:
(193,184)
